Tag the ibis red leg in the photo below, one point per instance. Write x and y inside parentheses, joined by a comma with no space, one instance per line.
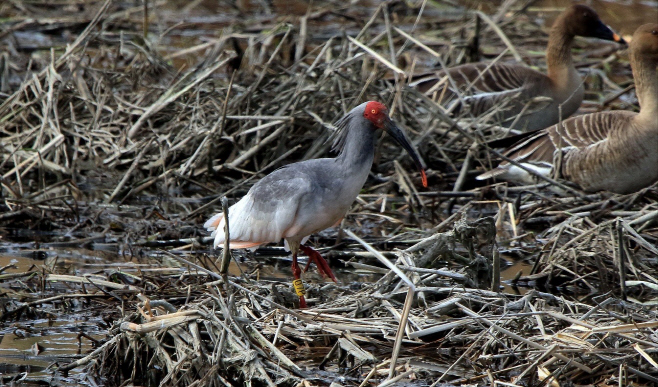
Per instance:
(321,263)
(297,272)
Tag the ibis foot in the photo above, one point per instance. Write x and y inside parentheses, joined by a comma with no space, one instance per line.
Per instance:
(321,263)
(297,283)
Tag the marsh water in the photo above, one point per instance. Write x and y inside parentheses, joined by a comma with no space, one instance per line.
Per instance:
(33,345)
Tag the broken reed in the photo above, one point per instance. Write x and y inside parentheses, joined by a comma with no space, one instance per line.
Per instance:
(116,104)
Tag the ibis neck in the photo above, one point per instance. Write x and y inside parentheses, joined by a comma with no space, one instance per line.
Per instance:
(358,148)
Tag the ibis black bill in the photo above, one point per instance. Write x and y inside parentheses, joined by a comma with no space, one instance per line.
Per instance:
(399,136)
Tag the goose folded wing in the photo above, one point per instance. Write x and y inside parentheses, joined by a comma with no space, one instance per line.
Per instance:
(485,88)
(575,134)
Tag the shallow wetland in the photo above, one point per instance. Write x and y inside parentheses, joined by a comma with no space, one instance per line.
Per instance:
(124,123)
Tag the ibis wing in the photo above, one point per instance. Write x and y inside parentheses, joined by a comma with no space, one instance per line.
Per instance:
(265,214)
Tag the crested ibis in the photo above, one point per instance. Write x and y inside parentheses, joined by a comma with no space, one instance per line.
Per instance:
(302,198)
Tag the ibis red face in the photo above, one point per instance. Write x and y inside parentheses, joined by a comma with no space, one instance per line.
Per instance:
(377,113)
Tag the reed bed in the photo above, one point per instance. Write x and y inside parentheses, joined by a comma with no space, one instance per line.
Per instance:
(114,141)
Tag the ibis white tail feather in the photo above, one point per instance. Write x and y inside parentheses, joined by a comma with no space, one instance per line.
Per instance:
(216,225)
(250,226)
(213,223)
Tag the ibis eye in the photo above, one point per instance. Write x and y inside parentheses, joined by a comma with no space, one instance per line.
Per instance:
(373,111)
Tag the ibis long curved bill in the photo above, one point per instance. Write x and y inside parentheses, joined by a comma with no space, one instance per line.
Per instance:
(400,137)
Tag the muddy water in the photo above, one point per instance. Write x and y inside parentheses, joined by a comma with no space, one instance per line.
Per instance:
(32,342)
(35,345)
(511,272)
(622,15)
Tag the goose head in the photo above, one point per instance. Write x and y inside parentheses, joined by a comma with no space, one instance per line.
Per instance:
(645,41)
(581,20)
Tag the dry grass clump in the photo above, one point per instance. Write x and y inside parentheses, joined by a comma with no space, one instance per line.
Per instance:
(127,144)
(611,256)
(183,329)
(112,103)
(594,244)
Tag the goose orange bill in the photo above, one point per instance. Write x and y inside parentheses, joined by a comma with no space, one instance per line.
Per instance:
(603,31)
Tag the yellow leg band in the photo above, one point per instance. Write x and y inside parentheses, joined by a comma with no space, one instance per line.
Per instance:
(299,287)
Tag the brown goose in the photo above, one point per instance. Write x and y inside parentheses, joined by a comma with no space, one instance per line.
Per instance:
(615,151)
(510,87)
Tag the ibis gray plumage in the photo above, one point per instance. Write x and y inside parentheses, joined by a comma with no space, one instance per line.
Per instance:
(303,198)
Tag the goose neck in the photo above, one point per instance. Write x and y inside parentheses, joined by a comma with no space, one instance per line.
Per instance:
(646,85)
(558,54)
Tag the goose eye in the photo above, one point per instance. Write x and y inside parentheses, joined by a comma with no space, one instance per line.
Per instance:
(373,111)
(654,32)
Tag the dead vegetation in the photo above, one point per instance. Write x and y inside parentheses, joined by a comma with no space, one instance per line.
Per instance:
(96,121)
